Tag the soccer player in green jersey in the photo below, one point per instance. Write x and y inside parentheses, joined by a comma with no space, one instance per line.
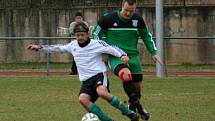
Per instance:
(122,28)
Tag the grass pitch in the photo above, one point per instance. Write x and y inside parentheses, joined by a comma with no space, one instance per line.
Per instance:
(56,99)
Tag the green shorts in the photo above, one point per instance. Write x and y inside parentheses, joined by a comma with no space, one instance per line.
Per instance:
(133,63)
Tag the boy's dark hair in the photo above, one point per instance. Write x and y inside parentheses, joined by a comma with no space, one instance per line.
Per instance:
(78,14)
(80,27)
(130,2)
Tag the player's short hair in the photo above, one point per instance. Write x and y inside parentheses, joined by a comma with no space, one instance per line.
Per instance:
(80,27)
(130,2)
(78,14)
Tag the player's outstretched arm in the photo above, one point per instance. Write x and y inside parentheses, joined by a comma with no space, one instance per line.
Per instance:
(33,47)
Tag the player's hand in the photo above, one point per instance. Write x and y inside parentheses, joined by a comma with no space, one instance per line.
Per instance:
(125,58)
(156,58)
(33,47)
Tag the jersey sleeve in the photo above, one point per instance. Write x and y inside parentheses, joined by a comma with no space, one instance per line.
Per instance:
(147,37)
(100,29)
(103,47)
(56,48)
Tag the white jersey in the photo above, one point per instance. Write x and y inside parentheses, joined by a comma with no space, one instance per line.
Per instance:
(88,58)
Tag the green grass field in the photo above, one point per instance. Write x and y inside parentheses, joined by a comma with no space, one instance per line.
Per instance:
(55,99)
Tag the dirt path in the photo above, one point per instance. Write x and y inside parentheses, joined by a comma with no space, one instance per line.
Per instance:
(196,74)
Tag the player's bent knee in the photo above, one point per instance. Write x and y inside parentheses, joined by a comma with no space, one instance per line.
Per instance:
(81,99)
(125,77)
(84,100)
(102,91)
(101,94)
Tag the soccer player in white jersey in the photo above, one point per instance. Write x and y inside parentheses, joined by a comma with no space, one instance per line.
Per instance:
(92,70)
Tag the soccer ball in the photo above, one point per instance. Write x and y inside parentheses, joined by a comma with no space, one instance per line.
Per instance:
(90,117)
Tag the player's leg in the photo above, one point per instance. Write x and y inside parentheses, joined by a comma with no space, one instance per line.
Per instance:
(103,92)
(137,77)
(136,70)
(138,60)
(122,71)
(138,64)
(84,99)
(115,102)
(128,85)
(138,89)
(87,98)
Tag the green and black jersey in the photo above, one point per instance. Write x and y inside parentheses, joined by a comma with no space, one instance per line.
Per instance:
(124,33)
